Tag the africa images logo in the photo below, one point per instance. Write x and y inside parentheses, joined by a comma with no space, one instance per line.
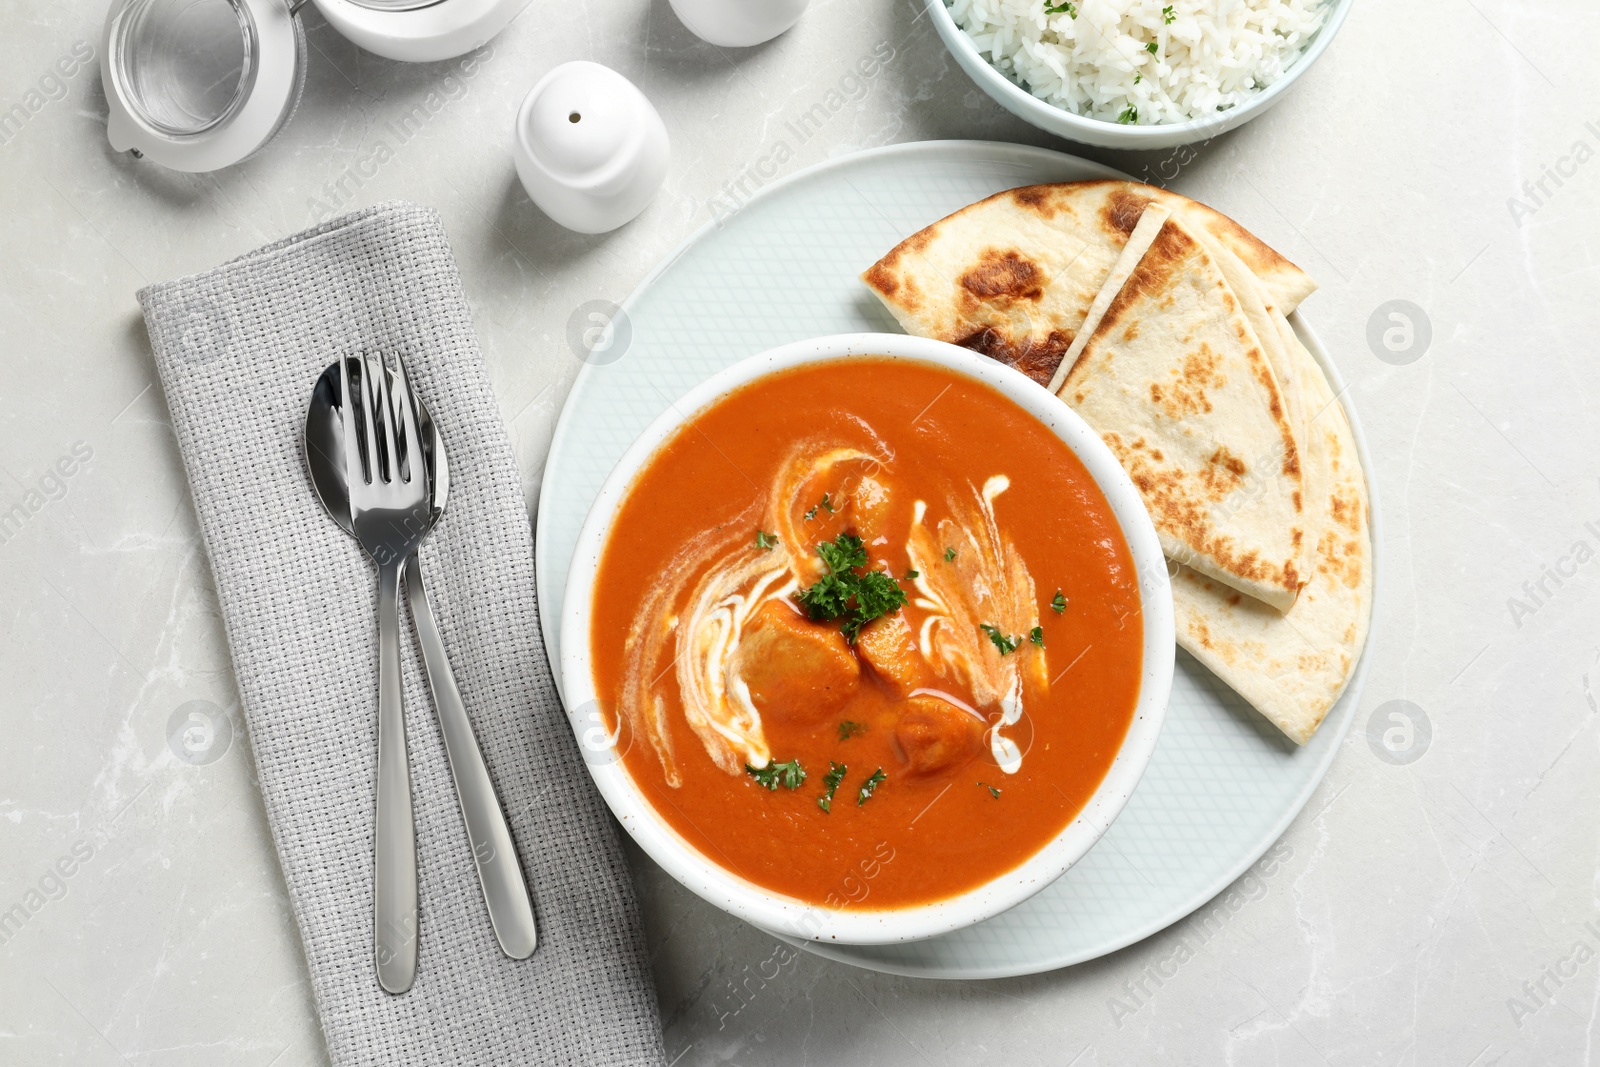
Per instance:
(1540,992)
(1201,927)
(199,732)
(50,87)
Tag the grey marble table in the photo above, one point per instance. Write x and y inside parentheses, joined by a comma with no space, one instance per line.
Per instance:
(1438,911)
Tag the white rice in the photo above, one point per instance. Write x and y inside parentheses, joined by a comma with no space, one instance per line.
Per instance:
(1210,55)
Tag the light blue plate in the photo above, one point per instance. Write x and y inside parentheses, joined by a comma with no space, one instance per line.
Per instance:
(1223,785)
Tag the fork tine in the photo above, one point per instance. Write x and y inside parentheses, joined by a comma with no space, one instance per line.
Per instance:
(377,390)
(416,464)
(347,418)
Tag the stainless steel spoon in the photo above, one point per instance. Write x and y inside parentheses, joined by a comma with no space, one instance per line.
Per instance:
(500,875)
(390,513)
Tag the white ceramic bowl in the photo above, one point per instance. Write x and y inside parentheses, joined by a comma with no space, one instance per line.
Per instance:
(1106,134)
(783,914)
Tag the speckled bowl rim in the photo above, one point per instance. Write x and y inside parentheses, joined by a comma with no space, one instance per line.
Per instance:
(796,918)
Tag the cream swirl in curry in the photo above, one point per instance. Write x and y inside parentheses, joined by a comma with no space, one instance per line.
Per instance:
(725,617)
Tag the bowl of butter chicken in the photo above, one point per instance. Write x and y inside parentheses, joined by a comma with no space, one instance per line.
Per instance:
(868,638)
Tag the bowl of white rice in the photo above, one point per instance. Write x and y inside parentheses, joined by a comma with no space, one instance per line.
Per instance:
(1136,74)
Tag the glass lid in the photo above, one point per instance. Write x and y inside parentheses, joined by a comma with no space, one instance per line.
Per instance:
(184,65)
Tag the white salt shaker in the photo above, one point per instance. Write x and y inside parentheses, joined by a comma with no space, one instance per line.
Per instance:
(738,23)
(591,150)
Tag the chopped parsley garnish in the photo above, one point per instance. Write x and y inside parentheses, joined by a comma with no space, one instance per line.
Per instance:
(1168,15)
(911,576)
(1067,6)
(844,594)
(1129,114)
(849,729)
(1036,635)
(1059,603)
(825,505)
(831,780)
(843,553)
(1006,645)
(1152,48)
(949,554)
(789,775)
(992,790)
(766,540)
(873,781)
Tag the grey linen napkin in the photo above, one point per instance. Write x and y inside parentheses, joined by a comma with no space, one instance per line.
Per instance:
(239,349)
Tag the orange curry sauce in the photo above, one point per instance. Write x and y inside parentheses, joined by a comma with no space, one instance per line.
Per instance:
(923,834)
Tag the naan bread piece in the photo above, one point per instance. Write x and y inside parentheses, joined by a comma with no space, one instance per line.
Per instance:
(1292,667)
(1265,320)
(1177,384)
(1013,276)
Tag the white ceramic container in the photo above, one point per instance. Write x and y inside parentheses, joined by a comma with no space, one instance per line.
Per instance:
(590,149)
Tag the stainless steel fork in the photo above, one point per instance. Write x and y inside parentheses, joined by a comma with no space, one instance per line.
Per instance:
(390,514)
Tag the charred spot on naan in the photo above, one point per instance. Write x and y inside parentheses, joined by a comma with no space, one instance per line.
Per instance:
(886,276)
(900,292)
(1123,207)
(1037,358)
(1036,198)
(1345,510)
(1002,275)
(1339,559)
(1223,473)
(1005,284)
(1040,358)
(882,277)
(990,342)
(1186,393)
(1047,201)
(918,241)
